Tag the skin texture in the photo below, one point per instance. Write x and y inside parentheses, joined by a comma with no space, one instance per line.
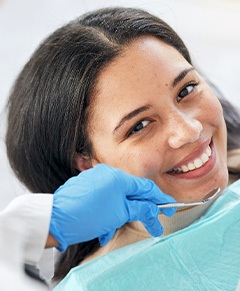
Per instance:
(166,131)
(51,242)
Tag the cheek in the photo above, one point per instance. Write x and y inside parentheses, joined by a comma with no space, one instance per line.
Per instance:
(145,162)
(213,115)
(212,109)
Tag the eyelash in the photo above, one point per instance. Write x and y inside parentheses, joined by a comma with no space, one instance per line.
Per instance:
(133,129)
(192,84)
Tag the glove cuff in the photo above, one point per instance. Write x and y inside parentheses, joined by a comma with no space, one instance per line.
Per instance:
(54,231)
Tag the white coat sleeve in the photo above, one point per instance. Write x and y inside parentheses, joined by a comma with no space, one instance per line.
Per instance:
(33,213)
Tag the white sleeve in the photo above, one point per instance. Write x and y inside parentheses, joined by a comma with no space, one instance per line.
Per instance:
(32,212)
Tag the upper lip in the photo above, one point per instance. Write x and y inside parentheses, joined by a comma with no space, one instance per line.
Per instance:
(196,153)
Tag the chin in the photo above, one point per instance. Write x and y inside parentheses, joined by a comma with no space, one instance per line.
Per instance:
(219,180)
(192,191)
(223,179)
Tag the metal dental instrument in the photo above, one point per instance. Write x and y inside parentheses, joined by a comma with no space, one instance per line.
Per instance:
(186,204)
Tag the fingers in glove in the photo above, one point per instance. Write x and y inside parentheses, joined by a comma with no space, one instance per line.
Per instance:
(147,213)
(168,211)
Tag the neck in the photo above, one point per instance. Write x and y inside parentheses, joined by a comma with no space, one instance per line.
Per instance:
(181,219)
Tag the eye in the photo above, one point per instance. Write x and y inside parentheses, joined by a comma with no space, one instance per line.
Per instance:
(139,126)
(186,90)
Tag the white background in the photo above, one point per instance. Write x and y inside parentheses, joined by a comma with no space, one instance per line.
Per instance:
(211,30)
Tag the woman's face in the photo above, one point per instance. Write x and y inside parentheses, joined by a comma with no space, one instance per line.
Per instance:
(154,116)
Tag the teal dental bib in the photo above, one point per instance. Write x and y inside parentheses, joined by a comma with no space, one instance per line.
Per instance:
(203,256)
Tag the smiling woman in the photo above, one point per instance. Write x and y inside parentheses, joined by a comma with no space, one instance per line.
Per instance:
(150,103)
(117,86)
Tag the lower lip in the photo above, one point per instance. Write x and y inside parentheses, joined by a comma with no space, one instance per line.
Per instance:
(200,172)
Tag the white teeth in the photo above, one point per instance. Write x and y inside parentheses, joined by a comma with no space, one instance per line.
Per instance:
(197,163)
(208,151)
(191,166)
(184,169)
(204,158)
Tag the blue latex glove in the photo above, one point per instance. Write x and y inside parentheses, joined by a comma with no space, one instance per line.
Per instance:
(99,200)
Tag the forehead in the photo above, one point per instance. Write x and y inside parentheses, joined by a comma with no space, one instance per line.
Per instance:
(145,69)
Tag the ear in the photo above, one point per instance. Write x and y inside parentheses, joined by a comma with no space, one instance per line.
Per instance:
(81,162)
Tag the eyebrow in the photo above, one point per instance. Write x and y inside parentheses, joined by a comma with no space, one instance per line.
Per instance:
(130,115)
(181,76)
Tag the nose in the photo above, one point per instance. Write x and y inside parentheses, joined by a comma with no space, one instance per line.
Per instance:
(183,129)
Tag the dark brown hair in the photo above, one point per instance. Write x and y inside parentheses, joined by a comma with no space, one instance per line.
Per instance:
(47,107)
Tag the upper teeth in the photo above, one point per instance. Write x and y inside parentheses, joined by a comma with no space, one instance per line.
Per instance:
(197,163)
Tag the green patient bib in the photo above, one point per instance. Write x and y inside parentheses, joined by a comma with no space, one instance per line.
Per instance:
(203,256)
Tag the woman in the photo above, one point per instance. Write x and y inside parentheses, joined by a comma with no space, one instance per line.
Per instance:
(117,87)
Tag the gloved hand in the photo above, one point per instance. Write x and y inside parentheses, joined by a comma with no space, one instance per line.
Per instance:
(99,200)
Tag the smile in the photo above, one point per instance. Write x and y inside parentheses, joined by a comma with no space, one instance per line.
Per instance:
(195,164)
